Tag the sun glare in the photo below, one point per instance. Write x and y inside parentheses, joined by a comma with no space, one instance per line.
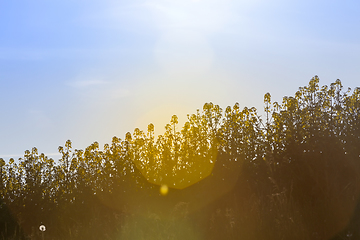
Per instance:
(183,51)
(160,115)
(205,16)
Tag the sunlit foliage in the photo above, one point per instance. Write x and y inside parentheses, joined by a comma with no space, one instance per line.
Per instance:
(229,174)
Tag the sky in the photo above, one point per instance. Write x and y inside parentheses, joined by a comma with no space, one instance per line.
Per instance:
(90,70)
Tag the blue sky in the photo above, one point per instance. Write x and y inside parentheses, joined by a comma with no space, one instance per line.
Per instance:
(90,70)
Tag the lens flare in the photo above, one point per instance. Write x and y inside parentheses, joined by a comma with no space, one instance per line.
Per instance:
(164,190)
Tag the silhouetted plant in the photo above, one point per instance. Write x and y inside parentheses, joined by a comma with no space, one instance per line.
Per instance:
(231,175)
